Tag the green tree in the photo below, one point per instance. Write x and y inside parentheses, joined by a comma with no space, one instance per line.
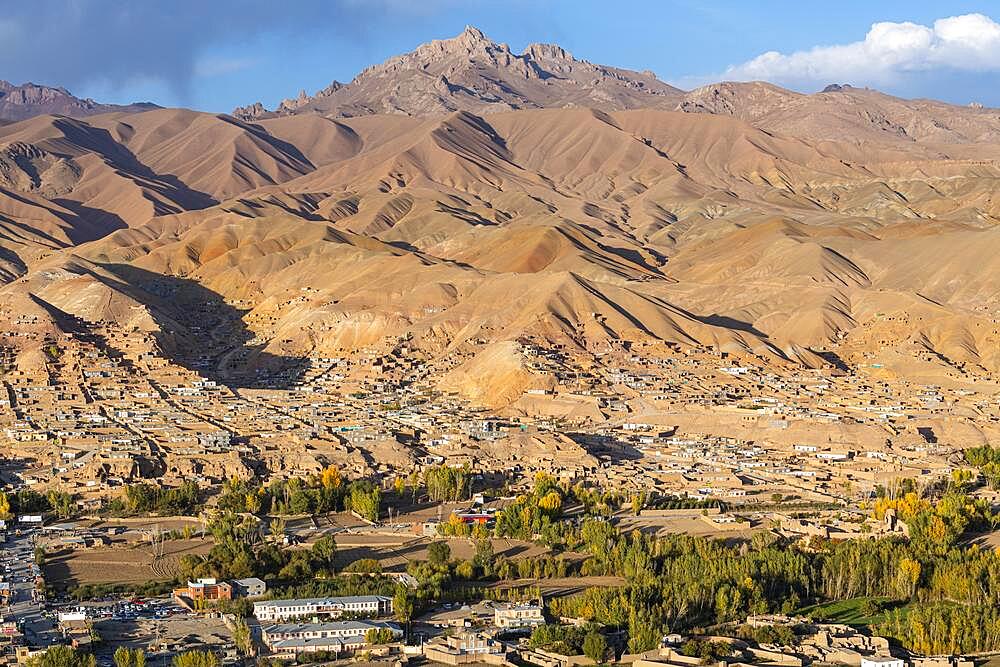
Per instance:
(242,637)
(127,657)
(595,646)
(196,658)
(365,566)
(638,502)
(402,605)
(365,498)
(447,483)
(62,656)
(276,527)
(61,503)
(438,553)
(29,501)
(325,550)
(379,635)
(484,556)
(871,607)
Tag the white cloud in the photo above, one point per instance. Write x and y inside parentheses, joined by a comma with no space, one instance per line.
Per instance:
(889,52)
(209,67)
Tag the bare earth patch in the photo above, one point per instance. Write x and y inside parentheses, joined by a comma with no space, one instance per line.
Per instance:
(136,564)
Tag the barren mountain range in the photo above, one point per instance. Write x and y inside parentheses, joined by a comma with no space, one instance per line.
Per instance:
(29,99)
(461,197)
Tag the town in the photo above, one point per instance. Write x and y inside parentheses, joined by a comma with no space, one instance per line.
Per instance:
(350,508)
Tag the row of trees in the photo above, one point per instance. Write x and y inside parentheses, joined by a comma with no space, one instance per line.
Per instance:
(325,492)
(987,459)
(28,501)
(129,657)
(66,656)
(62,656)
(944,628)
(145,498)
(446,483)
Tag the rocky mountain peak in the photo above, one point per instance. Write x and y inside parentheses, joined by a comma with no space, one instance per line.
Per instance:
(472,36)
(543,52)
(471,72)
(250,112)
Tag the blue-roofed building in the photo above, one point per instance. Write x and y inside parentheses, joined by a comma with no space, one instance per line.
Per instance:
(291,639)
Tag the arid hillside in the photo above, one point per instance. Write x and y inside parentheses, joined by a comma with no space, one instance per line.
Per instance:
(742,218)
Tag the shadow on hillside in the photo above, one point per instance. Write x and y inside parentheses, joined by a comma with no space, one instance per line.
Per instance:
(91,223)
(834,360)
(100,141)
(198,330)
(284,146)
(733,323)
(611,448)
(14,263)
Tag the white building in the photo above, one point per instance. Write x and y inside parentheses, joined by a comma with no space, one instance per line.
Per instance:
(72,616)
(882,661)
(518,616)
(337,636)
(834,456)
(360,605)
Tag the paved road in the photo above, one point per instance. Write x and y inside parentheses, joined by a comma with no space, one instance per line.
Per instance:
(17,554)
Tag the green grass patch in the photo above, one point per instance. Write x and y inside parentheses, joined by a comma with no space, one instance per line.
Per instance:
(851,612)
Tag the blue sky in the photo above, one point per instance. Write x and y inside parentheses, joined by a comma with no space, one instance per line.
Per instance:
(218,54)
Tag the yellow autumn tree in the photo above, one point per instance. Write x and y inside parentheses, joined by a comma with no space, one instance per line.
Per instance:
(480,531)
(907,577)
(906,507)
(551,502)
(455,526)
(330,478)
(253,503)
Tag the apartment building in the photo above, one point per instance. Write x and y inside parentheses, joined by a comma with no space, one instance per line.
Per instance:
(337,636)
(369,606)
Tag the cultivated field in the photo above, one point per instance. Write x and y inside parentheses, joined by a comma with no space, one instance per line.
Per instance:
(135,564)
